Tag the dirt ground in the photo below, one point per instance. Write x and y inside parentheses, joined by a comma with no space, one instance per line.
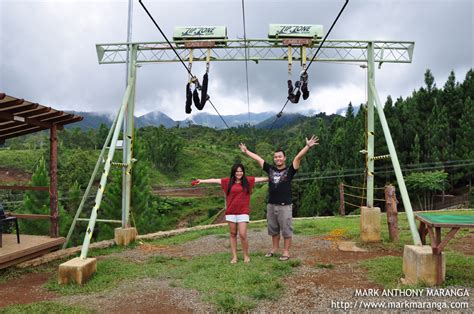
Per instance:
(195,192)
(14,176)
(309,288)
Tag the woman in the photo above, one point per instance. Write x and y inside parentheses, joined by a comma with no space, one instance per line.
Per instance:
(237,189)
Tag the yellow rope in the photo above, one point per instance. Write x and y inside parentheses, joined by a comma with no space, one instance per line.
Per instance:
(356,206)
(357,196)
(358,187)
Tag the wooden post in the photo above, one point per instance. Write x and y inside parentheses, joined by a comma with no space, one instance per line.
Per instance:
(392,213)
(53,184)
(342,207)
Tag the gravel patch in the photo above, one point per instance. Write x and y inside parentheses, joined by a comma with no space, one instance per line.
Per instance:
(146,295)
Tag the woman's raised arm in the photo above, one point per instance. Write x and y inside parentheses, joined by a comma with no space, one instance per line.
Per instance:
(261,179)
(199,181)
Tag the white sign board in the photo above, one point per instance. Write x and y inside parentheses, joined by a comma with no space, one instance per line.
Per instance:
(295,30)
(200,32)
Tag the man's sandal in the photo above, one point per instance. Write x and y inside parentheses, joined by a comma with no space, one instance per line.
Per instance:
(269,254)
(284,258)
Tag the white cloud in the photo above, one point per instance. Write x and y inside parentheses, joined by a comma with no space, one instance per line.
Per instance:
(48,51)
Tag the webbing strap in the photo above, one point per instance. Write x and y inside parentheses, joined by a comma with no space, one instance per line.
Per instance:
(190,64)
(208,60)
(303,58)
(290,60)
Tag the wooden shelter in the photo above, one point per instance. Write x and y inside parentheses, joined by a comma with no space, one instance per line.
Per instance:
(20,117)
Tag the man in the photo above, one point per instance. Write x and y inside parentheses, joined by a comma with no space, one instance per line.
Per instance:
(279,207)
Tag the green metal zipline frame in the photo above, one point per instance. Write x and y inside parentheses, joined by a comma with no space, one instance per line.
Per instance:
(366,52)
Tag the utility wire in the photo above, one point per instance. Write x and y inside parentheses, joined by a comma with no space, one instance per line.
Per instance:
(314,57)
(327,34)
(405,167)
(166,38)
(323,177)
(388,171)
(280,113)
(177,54)
(246,60)
(218,113)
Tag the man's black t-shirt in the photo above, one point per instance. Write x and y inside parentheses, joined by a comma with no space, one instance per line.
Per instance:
(279,182)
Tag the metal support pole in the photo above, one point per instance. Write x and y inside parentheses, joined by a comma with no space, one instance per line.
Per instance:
(128,143)
(396,166)
(126,190)
(91,182)
(103,179)
(370,126)
(53,182)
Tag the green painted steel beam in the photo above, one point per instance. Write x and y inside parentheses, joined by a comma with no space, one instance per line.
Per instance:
(128,141)
(370,127)
(260,50)
(91,182)
(396,165)
(102,220)
(105,174)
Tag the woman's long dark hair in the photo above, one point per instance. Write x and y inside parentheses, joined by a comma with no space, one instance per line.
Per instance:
(245,182)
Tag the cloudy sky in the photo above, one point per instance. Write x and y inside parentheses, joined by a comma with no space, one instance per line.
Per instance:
(47,51)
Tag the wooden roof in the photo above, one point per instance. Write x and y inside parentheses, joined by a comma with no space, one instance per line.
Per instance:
(19,117)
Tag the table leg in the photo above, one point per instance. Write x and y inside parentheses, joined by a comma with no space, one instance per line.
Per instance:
(439,259)
(422,232)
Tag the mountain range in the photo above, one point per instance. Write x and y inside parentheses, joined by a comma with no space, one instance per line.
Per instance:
(157,118)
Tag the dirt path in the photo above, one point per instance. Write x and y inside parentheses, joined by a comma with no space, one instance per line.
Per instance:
(465,246)
(26,289)
(195,192)
(14,176)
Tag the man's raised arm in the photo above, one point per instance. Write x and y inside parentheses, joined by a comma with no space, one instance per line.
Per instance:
(254,156)
(314,140)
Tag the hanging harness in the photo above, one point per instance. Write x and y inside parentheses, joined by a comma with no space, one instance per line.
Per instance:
(193,95)
(301,86)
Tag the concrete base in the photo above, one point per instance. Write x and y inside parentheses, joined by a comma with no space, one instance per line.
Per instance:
(419,265)
(77,270)
(125,236)
(370,224)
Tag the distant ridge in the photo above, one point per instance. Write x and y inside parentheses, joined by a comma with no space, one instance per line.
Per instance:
(262,120)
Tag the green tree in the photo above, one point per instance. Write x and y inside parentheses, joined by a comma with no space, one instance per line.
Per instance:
(102,135)
(416,150)
(162,147)
(37,202)
(425,184)
(73,197)
(310,198)
(429,81)
(464,148)
(144,207)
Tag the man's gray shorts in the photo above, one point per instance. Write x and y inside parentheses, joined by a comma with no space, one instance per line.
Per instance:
(280,218)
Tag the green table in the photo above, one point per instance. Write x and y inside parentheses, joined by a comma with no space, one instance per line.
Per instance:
(430,221)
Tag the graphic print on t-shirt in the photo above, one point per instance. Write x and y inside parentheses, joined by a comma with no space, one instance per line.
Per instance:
(278,176)
(279,184)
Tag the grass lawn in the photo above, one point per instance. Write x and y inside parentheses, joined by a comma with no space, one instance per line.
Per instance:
(239,287)
(44,307)
(230,287)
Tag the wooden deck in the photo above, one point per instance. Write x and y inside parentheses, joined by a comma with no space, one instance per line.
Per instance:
(31,246)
